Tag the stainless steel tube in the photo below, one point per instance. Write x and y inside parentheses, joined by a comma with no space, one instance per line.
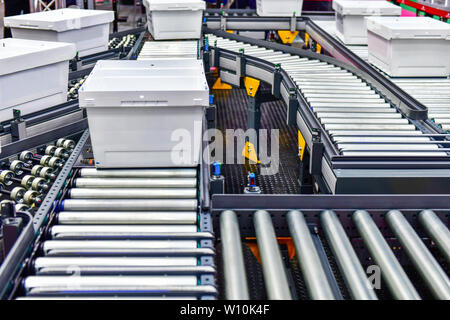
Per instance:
(437,231)
(127,217)
(272,264)
(50,246)
(123,283)
(391,270)
(353,272)
(128,204)
(147,288)
(135,252)
(135,182)
(311,266)
(126,270)
(140,173)
(131,193)
(97,298)
(73,263)
(233,259)
(425,264)
(122,231)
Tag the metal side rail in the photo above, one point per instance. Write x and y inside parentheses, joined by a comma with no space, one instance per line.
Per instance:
(359,233)
(351,122)
(411,106)
(127,233)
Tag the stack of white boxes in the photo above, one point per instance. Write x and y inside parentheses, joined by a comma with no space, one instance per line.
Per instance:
(409,46)
(33,75)
(87,29)
(175,19)
(146,113)
(351,15)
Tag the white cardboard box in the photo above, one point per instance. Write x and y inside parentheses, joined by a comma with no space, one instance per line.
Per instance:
(87,29)
(279,8)
(409,46)
(350,18)
(146,113)
(175,19)
(33,75)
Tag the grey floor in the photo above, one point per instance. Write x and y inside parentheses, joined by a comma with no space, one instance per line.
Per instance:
(124,10)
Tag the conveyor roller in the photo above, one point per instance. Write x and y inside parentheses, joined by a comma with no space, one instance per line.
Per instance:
(123,236)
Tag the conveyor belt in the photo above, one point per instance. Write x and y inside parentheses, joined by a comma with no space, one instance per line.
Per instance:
(140,239)
(432,92)
(359,120)
(347,233)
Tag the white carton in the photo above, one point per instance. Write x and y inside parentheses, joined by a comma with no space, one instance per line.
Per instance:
(279,8)
(175,19)
(33,75)
(169,50)
(87,29)
(350,18)
(146,113)
(409,46)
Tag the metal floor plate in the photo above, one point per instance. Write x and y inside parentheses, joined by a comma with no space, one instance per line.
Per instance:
(232,114)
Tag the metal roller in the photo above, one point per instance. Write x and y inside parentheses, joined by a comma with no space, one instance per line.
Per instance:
(127,217)
(61,231)
(108,283)
(129,205)
(138,252)
(64,290)
(72,263)
(50,246)
(391,270)
(131,193)
(140,173)
(311,266)
(233,260)
(272,264)
(437,231)
(135,183)
(425,264)
(353,272)
(99,298)
(127,270)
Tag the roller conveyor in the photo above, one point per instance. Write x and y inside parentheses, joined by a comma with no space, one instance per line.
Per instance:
(142,245)
(357,239)
(432,92)
(319,77)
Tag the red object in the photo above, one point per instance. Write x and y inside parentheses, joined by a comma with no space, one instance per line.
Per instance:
(424,8)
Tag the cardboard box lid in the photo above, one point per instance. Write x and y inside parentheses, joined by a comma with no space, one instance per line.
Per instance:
(366,8)
(175,5)
(408,28)
(60,20)
(145,83)
(20,54)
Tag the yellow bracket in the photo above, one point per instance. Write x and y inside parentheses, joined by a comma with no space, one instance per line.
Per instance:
(218,85)
(286,36)
(318,48)
(249,152)
(229,31)
(252,86)
(306,38)
(301,145)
